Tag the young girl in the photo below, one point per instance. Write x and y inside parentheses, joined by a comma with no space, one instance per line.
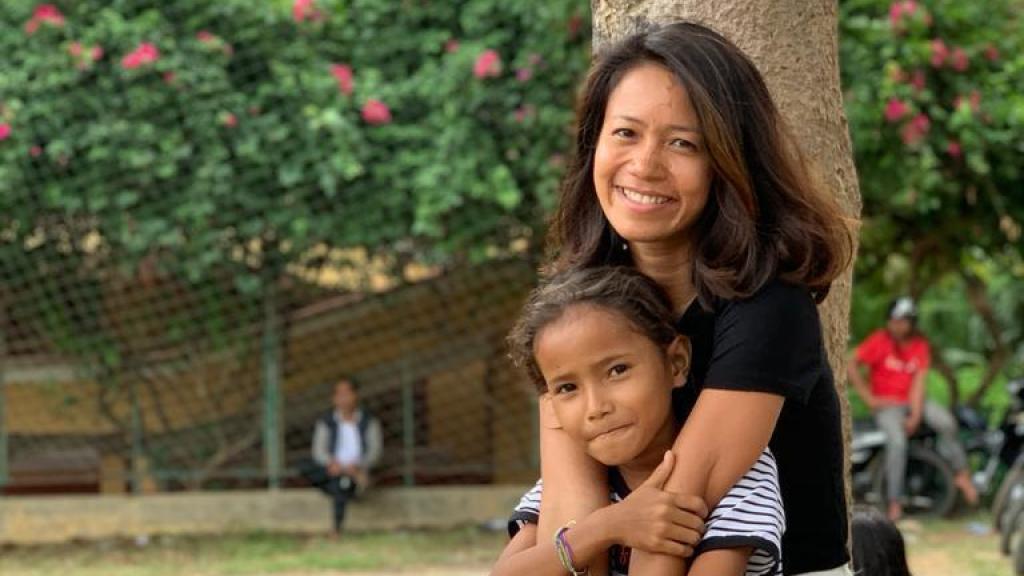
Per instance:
(601,343)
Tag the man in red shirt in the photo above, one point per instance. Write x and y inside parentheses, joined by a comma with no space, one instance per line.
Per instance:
(897,358)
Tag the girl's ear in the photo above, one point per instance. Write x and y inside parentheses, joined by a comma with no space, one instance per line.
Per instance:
(679,353)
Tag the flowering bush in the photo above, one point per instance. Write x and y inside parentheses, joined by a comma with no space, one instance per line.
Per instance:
(185,133)
(935,99)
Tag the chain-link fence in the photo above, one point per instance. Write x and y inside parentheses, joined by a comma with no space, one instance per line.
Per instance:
(213,211)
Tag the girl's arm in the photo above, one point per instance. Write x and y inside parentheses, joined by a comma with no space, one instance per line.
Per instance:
(723,437)
(575,485)
(524,554)
(649,518)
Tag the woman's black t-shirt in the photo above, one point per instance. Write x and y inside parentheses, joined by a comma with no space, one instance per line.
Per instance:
(771,342)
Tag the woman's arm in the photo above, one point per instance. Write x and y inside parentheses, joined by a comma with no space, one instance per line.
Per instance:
(575,485)
(723,437)
(723,562)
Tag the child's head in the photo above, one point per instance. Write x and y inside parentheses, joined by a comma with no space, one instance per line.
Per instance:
(878,548)
(601,343)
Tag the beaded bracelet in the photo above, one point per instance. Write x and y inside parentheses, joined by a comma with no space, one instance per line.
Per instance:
(564,551)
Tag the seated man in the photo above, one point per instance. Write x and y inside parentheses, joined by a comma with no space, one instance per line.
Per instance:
(897,358)
(346,445)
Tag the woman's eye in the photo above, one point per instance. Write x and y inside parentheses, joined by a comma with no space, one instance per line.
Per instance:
(565,388)
(623,133)
(683,144)
(618,370)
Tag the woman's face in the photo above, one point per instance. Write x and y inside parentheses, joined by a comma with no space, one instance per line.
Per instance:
(651,167)
(610,386)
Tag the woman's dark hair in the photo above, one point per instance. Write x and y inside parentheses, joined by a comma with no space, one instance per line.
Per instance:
(616,288)
(878,548)
(764,218)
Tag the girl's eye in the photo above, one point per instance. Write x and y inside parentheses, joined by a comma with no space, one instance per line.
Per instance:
(565,388)
(618,370)
(623,133)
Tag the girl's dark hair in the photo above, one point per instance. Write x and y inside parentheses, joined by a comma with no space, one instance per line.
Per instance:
(616,288)
(764,217)
(878,548)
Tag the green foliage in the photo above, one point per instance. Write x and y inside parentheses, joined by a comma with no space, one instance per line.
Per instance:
(223,144)
(935,98)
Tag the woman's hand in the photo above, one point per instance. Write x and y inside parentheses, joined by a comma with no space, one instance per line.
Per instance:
(656,521)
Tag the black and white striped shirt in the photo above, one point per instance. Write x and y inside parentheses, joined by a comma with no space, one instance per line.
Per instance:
(750,514)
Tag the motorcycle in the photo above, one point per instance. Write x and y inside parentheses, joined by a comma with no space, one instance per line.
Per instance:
(928,489)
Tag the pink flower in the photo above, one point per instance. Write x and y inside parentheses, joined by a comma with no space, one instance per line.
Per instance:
(573,25)
(35,151)
(343,74)
(75,49)
(48,13)
(960,62)
(205,36)
(145,53)
(229,120)
(915,130)
(96,53)
(895,110)
(5,131)
(991,53)
(939,52)
(488,63)
(451,46)
(376,112)
(44,14)
(953,149)
(917,80)
(524,74)
(303,10)
(524,112)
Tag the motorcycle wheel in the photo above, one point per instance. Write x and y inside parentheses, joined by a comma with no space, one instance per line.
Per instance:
(928,488)
(1002,499)
(1010,525)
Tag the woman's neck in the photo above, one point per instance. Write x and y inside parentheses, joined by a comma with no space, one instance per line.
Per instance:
(671,266)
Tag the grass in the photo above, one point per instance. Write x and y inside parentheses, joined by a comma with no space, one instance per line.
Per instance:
(936,548)
(256,554)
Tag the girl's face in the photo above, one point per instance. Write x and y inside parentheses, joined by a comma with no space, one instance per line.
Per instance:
(610,385)
(651,167)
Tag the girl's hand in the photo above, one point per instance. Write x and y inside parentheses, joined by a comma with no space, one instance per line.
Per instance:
(653,520)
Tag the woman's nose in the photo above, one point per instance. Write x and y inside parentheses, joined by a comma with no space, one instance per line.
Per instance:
(646,161)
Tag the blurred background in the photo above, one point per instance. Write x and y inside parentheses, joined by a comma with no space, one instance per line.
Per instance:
(212,211)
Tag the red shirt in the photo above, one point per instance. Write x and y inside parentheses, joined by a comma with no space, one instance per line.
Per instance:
(893,366)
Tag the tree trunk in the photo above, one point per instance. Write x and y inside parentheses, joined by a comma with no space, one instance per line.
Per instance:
(795,45)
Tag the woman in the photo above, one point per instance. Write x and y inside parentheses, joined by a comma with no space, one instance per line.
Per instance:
(683,169)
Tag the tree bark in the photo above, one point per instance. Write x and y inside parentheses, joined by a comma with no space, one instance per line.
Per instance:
(795,45)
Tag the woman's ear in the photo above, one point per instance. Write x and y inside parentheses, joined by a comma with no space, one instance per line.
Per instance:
(679,353)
